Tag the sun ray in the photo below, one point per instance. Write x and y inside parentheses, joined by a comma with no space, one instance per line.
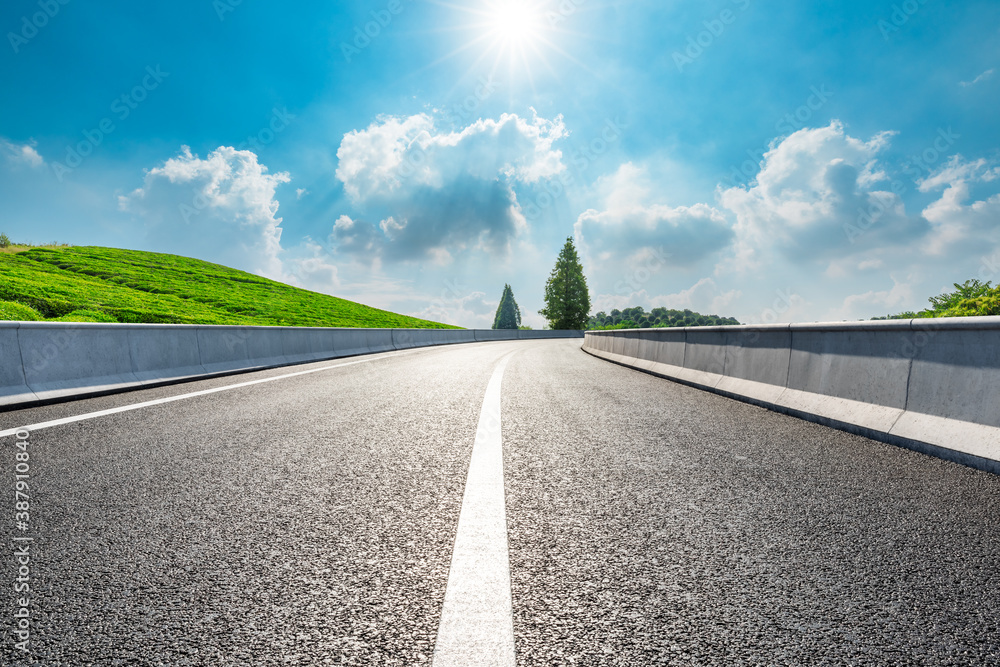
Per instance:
(517,39)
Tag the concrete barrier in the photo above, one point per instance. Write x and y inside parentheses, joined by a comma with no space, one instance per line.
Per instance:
(929,385)
(13,388)
(264,346)
(351,342)
(378,340)
(223,349)
(302,345)
(497,334)
(42,362)
(165,352)
(60,359)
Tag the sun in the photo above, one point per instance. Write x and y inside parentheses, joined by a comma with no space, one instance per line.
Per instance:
(520,36)
(515,23)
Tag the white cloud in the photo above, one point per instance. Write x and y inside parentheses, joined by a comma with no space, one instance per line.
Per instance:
(958,226)
(21,154)
(814,196)
(979,79)
(443,191)
(472,310)
(630,228)
(221,208)
(864,306)
(309,265)
(300,193)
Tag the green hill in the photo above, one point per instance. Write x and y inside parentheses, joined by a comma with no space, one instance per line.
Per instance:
(91,284)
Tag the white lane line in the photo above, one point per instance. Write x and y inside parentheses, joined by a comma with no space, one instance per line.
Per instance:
(195,394)
(477,627)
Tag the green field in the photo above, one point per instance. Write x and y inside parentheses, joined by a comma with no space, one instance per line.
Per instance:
(91,284)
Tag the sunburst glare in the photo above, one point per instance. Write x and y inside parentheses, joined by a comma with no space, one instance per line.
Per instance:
(515,24)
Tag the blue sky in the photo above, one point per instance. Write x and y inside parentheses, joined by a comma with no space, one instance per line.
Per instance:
(767,160)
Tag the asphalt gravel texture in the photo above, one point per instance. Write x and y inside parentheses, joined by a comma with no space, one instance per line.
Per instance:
(311,520)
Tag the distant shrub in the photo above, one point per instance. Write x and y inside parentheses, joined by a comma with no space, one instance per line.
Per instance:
(86,315)
(18,312)
(970,299)
(4,241)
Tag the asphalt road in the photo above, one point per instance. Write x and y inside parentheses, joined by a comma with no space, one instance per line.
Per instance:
(311,520)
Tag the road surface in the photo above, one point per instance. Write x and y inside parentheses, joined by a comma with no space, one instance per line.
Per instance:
(312,520)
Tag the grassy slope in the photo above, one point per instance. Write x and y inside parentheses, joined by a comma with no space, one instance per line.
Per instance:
(91,284)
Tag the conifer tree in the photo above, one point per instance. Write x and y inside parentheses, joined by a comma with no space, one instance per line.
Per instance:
(567,299)
(508,314)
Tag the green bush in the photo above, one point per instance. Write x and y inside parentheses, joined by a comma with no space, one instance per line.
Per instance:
(85,316)
(4,241)
(18,312)
(970,299)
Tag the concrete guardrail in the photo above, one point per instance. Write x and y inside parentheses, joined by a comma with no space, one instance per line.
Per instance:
(928,385)
(43,362)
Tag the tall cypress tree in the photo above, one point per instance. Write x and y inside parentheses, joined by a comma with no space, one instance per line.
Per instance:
(508,314)
(567,299)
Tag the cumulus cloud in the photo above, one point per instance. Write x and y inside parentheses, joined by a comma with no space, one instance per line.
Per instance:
(441,191)
(472,310)
(863,306)
(21,154)
(221,207)
(815,195)
(309,265)
(629,228)
(956,224)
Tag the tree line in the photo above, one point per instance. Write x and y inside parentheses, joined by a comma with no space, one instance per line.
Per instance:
(973,298)
(567,305)
(637,318)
